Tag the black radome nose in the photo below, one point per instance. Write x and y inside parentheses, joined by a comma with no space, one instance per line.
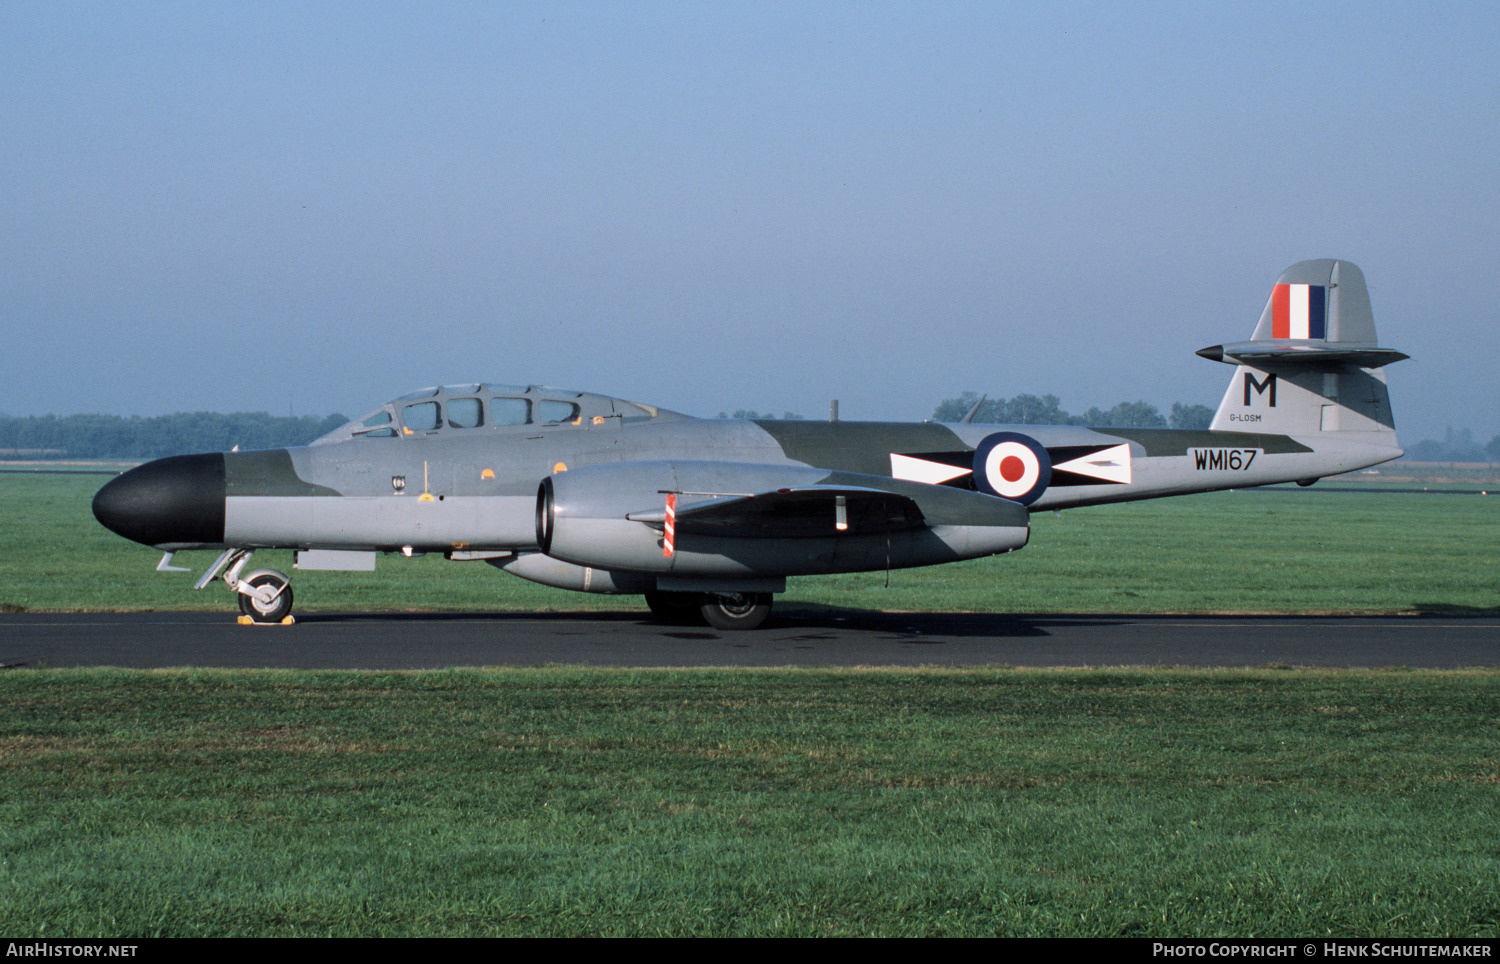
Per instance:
(177,501)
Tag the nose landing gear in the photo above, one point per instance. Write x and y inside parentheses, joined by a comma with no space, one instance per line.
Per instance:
(265,594)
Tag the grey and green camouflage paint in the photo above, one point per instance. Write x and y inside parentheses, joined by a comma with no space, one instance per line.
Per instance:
(572,488)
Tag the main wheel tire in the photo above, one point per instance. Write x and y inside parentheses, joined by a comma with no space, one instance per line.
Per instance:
(676,608)
(736,610)
(278,608)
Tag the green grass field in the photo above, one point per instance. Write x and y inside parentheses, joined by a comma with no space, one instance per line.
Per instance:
(1261,552)
(561,802)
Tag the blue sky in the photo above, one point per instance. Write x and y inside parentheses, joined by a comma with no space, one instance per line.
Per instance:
(317,206)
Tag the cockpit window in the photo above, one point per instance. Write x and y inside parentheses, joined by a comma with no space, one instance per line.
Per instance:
(422,417)
(377,426)
(510,411)
(465,413)
(553,411)
(492,406)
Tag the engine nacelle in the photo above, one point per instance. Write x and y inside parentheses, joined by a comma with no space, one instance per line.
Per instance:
(610,517)
(584,516)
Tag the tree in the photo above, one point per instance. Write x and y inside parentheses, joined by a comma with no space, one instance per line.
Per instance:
(752,413)
(1048,410)
(1426,451)
(1457,446)
(1128,415)
(111,436)
(1021,410)
(1031,410)
(954,409)
(1191,416)
(1461,447)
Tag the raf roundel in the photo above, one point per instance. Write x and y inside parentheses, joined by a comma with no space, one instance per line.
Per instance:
(1012,466)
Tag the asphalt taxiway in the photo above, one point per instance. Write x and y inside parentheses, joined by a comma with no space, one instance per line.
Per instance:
(853,638)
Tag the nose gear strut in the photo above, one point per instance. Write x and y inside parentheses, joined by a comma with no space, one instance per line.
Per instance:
(265,594)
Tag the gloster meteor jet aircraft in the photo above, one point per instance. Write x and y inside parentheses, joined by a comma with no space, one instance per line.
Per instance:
(708,517)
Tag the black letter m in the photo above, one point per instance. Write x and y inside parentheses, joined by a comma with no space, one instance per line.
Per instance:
(1260,388)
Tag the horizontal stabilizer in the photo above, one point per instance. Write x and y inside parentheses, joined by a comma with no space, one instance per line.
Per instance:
(1260,354)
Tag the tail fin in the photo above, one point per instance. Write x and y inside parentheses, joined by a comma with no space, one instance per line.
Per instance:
(1313,365)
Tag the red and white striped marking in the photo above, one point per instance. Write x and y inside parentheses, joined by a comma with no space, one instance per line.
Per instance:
(669,543)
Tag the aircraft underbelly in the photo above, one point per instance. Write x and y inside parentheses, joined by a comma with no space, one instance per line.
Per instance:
(634,547)
(365,522)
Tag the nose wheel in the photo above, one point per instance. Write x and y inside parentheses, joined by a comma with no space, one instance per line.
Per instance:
(266,596)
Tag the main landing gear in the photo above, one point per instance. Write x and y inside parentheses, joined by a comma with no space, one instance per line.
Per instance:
(721,610)
(265,594)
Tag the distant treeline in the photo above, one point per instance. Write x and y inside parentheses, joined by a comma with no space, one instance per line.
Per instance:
(1048,410)
(752,413)
(1458,446)
(135,437)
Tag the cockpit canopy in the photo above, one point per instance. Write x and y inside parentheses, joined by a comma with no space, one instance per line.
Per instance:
(446,408)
